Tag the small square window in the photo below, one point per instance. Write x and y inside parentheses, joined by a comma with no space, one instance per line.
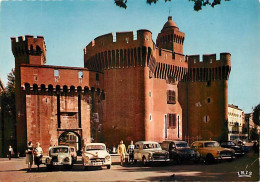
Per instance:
(80,74)
(56,73)
(208,83)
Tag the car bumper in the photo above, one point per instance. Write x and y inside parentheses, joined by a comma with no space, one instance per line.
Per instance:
(158,160)
(225,157)
(97,164)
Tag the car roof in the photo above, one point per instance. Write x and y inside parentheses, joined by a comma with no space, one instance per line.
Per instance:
(179,141)
(96,144)
(205,141)
(60,146)
(145,142)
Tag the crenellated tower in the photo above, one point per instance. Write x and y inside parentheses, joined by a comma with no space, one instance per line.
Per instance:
(28,50)
(170,37)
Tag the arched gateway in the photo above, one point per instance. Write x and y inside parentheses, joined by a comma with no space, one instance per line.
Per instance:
(70,139)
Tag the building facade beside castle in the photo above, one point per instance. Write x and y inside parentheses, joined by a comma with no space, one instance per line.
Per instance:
(130,88)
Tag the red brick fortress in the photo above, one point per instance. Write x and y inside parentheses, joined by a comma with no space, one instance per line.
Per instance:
(130,88)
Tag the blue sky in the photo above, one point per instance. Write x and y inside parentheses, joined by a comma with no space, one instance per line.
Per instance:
(69,25)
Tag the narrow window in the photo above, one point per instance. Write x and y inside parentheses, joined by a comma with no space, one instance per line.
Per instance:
(171,97)
(195,60)
(150,117)
(208,83)
(171,121)
(35,77)
(206,119)
(97,77)
(127,40)
(208,100)
(150,94)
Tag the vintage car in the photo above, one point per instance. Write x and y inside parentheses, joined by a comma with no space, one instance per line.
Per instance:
(178,150)
(148,151)
(59,155)
(239,150)
(95,154)
(73,154)
(209,151)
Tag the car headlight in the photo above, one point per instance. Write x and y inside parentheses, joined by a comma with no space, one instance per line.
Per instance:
(107,157)
(150,155)
(48,160)
(66,159)
(86,158)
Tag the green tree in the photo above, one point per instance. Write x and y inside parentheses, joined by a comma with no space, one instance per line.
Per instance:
(198,4)
(256,114)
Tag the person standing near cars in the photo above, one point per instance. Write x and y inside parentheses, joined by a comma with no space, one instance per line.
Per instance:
(130,150)
(121,150)
(38,155)
(10,152)
(29,155)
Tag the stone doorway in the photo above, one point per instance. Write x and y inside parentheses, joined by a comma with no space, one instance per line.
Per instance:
(70,139)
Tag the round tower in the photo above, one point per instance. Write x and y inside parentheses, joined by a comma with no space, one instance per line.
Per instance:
(170,37)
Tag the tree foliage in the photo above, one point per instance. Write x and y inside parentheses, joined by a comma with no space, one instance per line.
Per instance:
(198,4)
(8,96)
(256,114)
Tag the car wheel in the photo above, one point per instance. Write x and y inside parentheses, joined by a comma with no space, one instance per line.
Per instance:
(135,161)
(109,166)
(49,167)
(209,159)
(68,166)
(86,168)
(144,161)
(178,160)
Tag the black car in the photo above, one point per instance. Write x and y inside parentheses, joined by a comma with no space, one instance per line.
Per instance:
(239,150)
(178,150)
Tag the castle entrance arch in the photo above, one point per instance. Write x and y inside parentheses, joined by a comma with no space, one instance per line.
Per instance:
(70,139)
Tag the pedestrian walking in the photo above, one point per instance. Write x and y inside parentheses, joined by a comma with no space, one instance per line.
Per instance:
(130,151)
(38,155)
(121,150)
(29,155)
(10,152)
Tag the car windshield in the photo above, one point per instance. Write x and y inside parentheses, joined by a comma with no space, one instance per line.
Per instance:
(151,146)
(95,147)
(211,144)
(60,150)
(181,145)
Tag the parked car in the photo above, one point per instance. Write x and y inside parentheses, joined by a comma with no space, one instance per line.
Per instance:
(239,150)
(209,151)
(59,155)
(178,150)
(242,144)
(148,151)
(95,154)
(73,154)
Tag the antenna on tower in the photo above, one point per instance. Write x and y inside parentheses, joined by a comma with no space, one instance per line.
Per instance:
(169,11)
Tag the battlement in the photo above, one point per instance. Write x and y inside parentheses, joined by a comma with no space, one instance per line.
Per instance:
(121,38)
(30,46)
(207,59)
(26,38)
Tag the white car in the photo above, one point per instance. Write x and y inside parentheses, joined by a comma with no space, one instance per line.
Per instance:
(95,154)
(59,155)
(148,151)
